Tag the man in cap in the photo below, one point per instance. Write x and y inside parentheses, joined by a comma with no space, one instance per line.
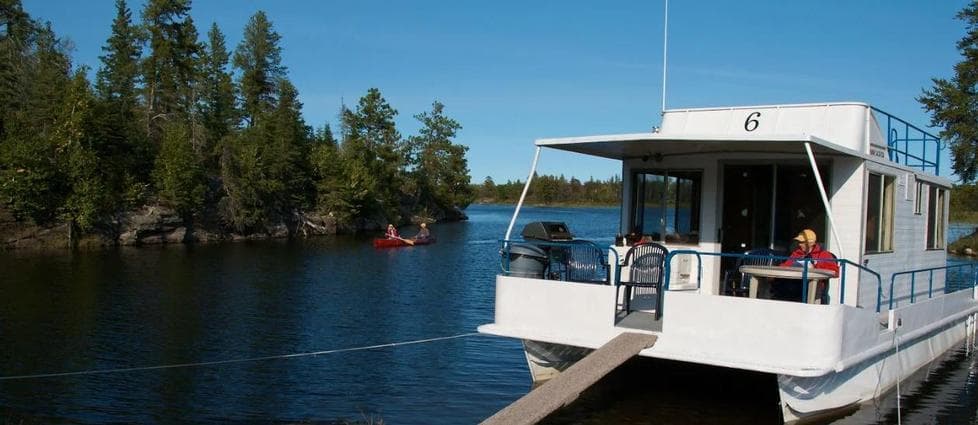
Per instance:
(819,258)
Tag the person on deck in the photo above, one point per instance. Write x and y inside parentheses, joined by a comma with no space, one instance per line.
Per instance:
(423,233)
(818,258)
(392,232)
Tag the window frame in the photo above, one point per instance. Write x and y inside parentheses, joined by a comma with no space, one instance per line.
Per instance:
(936,237)
(918,202)
(885,213)
(639,205)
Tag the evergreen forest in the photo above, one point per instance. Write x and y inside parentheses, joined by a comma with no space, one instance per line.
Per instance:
(552,190)
(175,118)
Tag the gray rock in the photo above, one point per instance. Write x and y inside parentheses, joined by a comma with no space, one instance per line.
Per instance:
(278,231)
(176,236)
(152,224)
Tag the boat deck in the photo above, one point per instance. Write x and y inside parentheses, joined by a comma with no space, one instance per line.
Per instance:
(639,320)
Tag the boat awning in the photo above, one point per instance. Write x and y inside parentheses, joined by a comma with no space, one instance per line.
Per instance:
(645,145)
(638,145)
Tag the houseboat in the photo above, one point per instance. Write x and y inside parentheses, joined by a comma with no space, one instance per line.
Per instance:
(711,205)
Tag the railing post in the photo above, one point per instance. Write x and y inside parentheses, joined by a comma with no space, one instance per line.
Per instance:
(804,281)
(930,284)
(906,143)
(879,294)
(892,281)
(666,270)
(913,290)
(842,286)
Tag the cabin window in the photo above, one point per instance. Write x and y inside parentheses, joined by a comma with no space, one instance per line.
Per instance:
(667,206)
(936,216)
(879,213)
(918,200)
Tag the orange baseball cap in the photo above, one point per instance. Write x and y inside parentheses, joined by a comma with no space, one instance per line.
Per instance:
(807,235)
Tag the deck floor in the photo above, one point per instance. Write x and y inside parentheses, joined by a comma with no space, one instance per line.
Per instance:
(639,320)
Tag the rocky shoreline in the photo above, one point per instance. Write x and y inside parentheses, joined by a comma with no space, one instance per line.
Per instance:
(160,225)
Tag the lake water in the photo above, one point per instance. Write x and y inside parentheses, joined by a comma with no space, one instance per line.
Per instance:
(141,307)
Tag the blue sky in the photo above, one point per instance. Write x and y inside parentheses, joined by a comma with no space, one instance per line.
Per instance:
(511,72)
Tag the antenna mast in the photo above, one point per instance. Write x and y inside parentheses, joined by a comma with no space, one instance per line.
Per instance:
(665,49)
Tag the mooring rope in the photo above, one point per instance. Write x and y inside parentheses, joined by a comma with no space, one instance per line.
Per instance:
(221,362)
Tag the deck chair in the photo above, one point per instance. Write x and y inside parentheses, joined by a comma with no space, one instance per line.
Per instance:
(586,262)
(646,262)
(738,283)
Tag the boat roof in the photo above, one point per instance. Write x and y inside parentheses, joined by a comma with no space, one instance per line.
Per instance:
(638,145)
(831,129)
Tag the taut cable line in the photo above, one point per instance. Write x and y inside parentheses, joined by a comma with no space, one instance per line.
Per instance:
(245,360)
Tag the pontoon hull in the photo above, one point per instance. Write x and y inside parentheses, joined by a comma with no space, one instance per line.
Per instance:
(811,397)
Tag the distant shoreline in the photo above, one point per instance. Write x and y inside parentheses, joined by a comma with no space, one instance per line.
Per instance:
(555,204)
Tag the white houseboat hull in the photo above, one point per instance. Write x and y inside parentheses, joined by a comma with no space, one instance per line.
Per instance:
(826,357)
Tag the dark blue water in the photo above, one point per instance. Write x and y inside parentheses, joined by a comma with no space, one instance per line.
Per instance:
(137,307)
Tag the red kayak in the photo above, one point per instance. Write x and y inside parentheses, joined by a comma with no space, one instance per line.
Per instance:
(395,243)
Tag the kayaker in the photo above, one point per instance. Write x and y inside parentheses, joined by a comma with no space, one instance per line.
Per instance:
(392,232)
(423,233)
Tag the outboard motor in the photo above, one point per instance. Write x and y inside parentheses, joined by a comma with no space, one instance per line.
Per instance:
(550,231)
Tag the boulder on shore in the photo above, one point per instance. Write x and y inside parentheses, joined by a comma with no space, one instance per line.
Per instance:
(152,224)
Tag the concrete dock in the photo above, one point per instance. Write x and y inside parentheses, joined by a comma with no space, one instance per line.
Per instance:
(566,387)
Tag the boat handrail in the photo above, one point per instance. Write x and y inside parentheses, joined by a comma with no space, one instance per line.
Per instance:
(843,263)
(614,267)
(911,133)
(930,282)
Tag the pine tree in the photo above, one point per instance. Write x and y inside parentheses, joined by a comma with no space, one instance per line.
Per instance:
(170,70)
(288,149)
(218,111)
(47,83)
(179,175)
(17,32)
(116,80)
(32,182)
(89,196)
(325,165)
(259,59)
(440,165)
(372,142)
(121,147)
(953,104)
(244,207)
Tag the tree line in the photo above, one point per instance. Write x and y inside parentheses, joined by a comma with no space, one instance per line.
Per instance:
(216,134)
(548,190)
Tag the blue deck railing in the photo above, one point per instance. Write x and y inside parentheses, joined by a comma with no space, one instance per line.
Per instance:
(585,261)
(806,262)
(575,261)
(909,145)
(956,277)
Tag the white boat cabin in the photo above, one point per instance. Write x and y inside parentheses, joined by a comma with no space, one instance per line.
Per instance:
(740,179)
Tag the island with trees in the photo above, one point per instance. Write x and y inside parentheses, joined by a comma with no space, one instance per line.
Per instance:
(180,139)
